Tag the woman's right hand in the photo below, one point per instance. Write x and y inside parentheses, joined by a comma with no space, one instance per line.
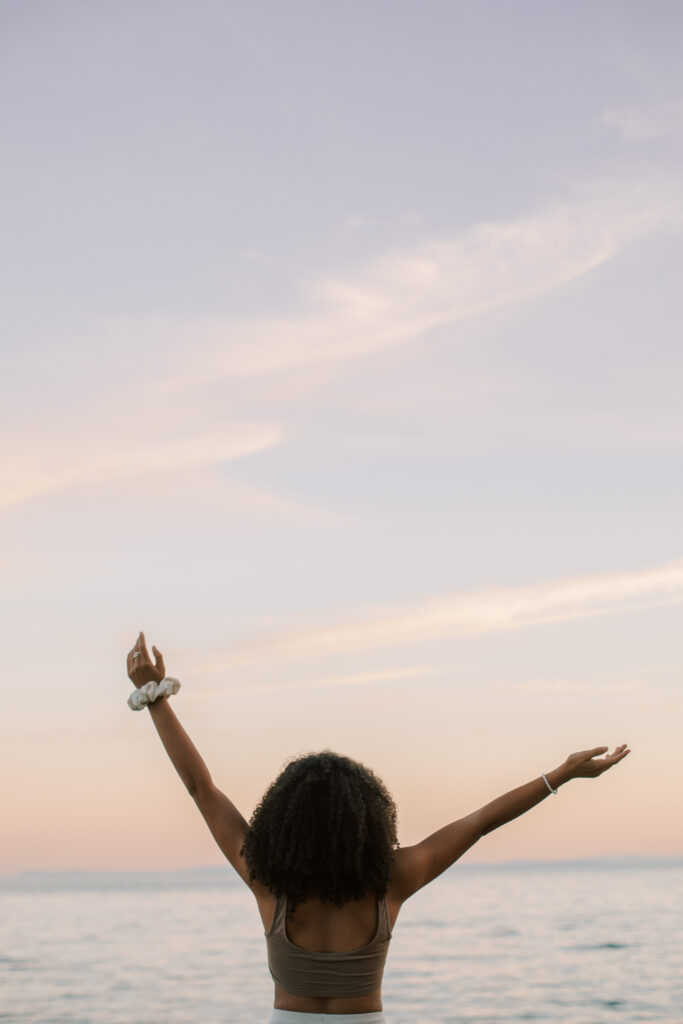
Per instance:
(585,764)
(139,664)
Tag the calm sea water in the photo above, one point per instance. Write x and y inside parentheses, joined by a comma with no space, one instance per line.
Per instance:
(578,944)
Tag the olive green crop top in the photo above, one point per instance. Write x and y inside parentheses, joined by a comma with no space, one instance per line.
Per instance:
(305,972)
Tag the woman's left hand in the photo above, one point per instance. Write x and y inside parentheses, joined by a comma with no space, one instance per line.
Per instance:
(140,667)
(585,764)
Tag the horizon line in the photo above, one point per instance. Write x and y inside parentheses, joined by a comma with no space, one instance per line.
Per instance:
(624,858)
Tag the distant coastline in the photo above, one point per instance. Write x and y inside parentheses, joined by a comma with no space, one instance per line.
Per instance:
(210,875)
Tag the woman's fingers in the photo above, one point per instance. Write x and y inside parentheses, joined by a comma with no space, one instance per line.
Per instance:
(141,668)
(586,764)
(139,663)
(140,652)
(141,646)
(132,663)
(618,755)
(131,660)
(159,661)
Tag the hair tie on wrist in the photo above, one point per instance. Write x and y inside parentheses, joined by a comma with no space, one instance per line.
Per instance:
(148,693)
(548,784)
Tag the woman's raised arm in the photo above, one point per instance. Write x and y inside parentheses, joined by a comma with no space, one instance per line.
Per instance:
(416,866)
(225,822)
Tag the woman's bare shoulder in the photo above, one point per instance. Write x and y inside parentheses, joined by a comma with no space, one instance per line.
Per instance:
(402,870)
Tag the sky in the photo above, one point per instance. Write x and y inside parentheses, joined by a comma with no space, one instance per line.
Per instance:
(340,353)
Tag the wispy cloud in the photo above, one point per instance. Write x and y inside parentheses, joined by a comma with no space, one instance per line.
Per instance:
(55,464)
(398,297)
(157,408)
(642,124)
(483,611)
(388,675)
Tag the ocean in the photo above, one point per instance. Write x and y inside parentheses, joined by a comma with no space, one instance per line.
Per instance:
(578,943)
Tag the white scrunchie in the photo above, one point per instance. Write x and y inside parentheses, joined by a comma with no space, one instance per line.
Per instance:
(148,693)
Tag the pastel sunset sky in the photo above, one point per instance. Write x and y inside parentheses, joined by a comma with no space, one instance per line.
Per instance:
(341,354)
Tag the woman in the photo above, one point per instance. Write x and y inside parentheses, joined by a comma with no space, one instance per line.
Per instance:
(322,859)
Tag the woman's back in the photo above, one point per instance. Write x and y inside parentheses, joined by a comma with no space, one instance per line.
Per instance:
(327,928)
(360,928)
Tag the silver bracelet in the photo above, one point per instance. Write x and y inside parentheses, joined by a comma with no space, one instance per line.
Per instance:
(548,784)
(148,693)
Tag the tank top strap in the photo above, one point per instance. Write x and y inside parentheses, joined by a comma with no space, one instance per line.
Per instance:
(384,930)
(279,914)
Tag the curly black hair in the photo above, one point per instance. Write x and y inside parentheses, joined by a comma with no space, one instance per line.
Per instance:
(325,828)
